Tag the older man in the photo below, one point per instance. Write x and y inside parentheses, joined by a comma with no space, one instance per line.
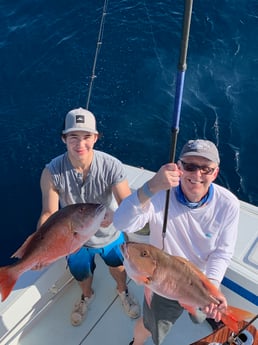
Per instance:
(202,227)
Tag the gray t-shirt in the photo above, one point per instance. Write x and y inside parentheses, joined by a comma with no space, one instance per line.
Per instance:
(105,171)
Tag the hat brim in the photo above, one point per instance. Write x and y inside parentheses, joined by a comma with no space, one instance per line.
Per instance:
(89,130)
(204,155)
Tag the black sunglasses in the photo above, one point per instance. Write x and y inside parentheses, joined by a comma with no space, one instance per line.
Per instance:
(194,167)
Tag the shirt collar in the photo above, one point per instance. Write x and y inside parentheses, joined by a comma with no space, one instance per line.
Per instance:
(183,200)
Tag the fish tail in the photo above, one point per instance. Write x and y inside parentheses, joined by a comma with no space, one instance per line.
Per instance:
(233,315)
(7,281)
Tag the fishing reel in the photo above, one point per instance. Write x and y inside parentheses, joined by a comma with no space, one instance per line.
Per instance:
(243,338)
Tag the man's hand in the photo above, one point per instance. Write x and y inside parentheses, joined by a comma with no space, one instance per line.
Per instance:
(215,311)
(167,177)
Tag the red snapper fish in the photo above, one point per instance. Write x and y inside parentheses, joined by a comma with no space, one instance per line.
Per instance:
(64,232)
(176,278)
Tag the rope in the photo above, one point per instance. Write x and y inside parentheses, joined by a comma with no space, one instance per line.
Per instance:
(99,43)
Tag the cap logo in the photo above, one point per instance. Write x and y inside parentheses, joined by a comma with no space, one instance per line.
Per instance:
(196,145)
(79,119)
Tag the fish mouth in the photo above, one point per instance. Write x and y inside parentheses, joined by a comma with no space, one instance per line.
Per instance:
(127,259)
(130,268)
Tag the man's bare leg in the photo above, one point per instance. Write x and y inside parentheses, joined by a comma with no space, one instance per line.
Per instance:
(141,334)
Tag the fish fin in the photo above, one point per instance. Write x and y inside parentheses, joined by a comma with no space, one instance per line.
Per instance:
(240,314)
(147,280)
(20,252)
(7,281)
(148,295)
(142,280)
(233,315)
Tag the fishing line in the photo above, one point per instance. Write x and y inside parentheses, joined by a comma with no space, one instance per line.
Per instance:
(98,46)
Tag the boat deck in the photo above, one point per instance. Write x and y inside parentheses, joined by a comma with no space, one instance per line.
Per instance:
(38,310)
(106,323)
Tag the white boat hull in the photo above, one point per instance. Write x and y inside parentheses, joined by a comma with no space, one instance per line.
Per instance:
(38,310)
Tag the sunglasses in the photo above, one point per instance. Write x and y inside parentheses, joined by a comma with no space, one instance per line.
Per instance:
(194,167)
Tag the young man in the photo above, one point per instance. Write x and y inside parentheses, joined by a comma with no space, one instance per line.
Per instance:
(202,227)
(85,175)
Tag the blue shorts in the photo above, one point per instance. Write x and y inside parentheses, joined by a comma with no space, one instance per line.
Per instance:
(82,263)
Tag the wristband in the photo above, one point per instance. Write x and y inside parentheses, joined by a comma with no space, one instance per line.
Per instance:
(146,190)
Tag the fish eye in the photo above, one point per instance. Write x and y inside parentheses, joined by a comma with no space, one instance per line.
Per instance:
(144,253)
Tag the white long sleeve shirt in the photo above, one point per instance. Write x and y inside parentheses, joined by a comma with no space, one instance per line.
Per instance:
(206,235)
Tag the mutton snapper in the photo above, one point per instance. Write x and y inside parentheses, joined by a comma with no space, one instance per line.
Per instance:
(176,278)
(64,232)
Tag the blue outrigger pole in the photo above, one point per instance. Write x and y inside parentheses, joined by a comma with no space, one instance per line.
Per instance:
(179,94)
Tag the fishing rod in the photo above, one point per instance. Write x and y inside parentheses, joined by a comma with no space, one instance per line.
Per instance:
(178,96)
(99,43)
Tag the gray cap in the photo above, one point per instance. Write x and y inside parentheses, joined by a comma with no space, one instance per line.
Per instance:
(201,148)
(80,120)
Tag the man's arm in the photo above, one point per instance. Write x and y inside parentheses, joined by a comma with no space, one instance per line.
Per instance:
(50,197)
(121,190)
